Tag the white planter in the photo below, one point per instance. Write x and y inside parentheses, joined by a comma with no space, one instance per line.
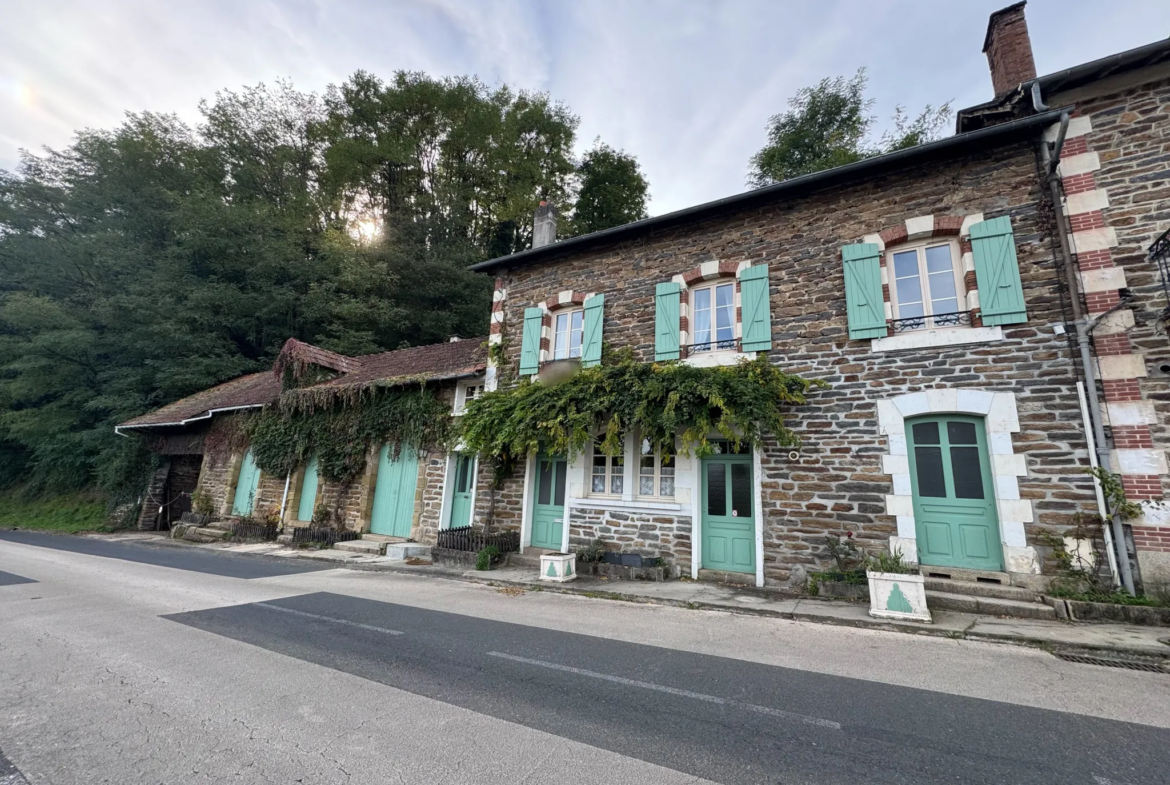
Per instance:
(558,567)
(895,595)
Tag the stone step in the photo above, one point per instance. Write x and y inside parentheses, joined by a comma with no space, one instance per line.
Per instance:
(734,578)
(204,534)
(365,546)
(526,559)
(991,606)
(383,538)
(406,550)
(981,589)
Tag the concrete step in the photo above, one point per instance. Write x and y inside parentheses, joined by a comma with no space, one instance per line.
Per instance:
(991,606)
(383,538)
(980,589)
(365,546)
(734,578)
(406,550)
(526,559)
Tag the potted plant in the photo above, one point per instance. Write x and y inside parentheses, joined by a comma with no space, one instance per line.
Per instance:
(558,567)
(897,590)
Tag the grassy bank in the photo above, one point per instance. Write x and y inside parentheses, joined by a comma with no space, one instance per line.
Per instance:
(69,514)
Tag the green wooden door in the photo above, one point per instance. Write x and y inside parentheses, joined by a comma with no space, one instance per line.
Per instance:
(460,507)
(308,501)
(548,502)
(394,489)
(729,528)
(246,485)
(954,501)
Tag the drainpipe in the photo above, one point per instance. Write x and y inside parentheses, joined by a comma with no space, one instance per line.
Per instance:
(284,498)
(1085,325)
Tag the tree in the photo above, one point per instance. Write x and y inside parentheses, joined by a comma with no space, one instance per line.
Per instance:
(827,125)
(612,190)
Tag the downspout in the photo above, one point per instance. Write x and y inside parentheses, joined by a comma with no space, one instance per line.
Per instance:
(284,498)
(1050,158)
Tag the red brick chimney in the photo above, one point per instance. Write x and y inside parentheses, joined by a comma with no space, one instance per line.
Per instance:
(1009,49)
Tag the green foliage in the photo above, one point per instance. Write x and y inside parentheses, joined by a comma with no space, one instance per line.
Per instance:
(483,559)
(1114,493)
(844,552)
(612,190)
(884,561)
(827,125)
(1066,591)
(341,429)
(591,553)
(202,504)
(742,403)
(69,514)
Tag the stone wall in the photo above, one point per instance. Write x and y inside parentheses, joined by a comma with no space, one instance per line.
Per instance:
(650,534)
(1117,182)
(838,482)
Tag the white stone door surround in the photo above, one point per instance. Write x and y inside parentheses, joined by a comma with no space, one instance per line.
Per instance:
(1001,419)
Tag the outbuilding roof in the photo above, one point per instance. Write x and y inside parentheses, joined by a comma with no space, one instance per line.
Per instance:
(453,360)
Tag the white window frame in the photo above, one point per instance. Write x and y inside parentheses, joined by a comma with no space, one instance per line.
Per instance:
(611,471)
(639,445)
(567,315)
(919,248)
(692,296)
(461,390)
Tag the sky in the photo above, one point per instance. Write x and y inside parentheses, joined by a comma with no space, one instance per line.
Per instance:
(687,86)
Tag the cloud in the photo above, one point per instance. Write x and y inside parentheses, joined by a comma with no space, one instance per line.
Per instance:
(686,85)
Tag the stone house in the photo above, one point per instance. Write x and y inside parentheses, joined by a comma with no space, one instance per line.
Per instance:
(401,493)
(940,291)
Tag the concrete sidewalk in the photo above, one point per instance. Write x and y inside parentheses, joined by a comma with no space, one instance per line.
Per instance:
(1106,639)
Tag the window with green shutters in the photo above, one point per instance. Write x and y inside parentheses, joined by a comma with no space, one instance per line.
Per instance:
(756,306)
(591,344)
(997,272)
(666,323)
(864,302)
(530,341)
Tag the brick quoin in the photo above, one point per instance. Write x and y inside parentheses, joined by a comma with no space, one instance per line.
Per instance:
(1132,437)
(1084,221)
(1094,260)
(1122,390)
(1075,146)
(1141,487)
(1117,343)
(1098,302)
(1078,183)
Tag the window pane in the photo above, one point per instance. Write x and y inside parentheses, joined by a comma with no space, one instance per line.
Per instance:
(544,483)
(561,347)
(647,449)
(646,485)
(931,481)
(559,496)
(925,433)
(598,485)
(938,259)
(906,264)
(909,292)
(576,331)
(616,483)
(961,433)
(968,474)
(702,316)
(667,485)
(942,307)
(741,490)
(716,489)
(647,466)
(725,315)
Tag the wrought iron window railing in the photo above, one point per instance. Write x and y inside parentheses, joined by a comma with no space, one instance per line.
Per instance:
(1160,255)
(956,319)
(711,346)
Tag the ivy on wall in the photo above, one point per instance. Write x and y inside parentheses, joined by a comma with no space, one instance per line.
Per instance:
(742,403)
(341,424)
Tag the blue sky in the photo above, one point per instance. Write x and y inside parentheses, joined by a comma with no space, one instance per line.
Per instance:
(685,85)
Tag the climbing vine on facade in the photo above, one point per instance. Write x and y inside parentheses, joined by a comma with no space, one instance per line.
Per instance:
(341,426)
(661,401)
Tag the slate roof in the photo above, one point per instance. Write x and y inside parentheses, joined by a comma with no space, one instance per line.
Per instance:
(454,360)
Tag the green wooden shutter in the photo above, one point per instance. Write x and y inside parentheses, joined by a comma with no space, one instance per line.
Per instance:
(530,347)
(666,324)
(863,291)
(1001,295)
(757,309)
(591,342)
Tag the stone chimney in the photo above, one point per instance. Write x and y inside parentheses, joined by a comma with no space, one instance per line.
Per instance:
(1009,49)
(544,225)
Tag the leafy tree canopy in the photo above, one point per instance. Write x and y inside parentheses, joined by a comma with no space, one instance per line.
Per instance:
(828,125)
(611,190)
(147,262)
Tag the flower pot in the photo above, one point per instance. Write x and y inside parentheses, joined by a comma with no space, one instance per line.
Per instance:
(558,567)
(895,595)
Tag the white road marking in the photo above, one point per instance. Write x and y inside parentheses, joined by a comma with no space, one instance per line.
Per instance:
(308,615)
(788,715)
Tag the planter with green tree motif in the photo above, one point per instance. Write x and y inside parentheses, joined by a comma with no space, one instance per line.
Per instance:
(558,567)
(897,595)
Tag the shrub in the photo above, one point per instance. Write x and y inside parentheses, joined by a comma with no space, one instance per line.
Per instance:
(483,559)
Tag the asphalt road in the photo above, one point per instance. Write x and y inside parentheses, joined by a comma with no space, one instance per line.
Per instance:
(127,670)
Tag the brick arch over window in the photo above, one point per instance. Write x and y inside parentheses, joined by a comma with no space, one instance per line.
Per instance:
(565,299)
(707,271)
(926,227)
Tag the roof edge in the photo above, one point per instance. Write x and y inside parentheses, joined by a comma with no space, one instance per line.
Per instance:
(847,171)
